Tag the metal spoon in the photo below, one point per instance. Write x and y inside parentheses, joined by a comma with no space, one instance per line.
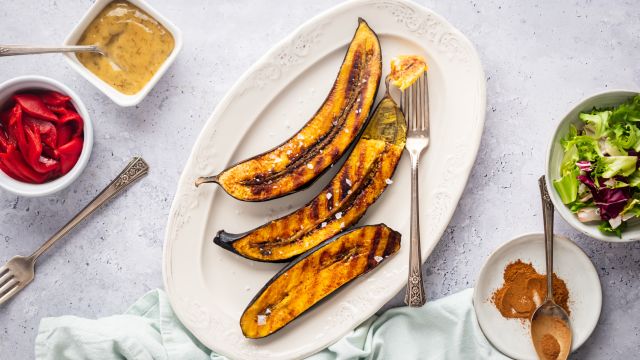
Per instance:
(13,50)
(550,326)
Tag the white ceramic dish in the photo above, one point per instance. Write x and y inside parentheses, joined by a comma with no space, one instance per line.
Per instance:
(570,264)
(209,287)
(556,152)
(118,97)
(34,82)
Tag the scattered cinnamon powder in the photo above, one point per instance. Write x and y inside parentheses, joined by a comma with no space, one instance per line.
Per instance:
(524,290)
(550,347)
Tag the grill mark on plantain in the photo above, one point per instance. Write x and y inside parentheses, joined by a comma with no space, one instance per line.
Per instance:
(261,183)
(392,240)
(371,261)
(315,210)
(342,181)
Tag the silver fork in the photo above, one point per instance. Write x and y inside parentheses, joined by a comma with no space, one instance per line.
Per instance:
(414,103)
(18,272)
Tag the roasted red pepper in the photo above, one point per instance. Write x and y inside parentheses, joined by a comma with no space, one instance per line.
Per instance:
(41,137)
(73,119)
(4,141)
(47,131)
(34,106)
(16,164)
(54,98)
(69,154)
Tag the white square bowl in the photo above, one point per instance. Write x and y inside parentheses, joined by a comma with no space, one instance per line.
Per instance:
(118,97)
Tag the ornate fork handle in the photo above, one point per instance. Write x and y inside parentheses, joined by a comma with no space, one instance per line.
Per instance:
(11,50)
(136,169)
(414,296)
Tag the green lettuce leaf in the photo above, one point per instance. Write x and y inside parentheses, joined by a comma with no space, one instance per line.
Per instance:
(581,147)
(627,112)
(611,148)
(606,229)
(634,179)
(567,186)
(610,166)
(632,207)
(597,123)
(625,135)
(577,205)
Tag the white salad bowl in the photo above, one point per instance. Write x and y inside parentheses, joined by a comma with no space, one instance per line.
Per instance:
(556,152)
(34,82)
(115,95)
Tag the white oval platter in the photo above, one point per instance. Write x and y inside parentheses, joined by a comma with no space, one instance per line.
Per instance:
(209,287)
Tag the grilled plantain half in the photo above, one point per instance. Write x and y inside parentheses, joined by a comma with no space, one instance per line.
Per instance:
(316,275)
(296,163)
(358,184)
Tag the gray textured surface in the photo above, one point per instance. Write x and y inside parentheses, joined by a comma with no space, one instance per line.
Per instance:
(539,59)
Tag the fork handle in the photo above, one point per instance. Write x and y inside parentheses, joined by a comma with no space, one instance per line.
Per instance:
(135,170)
(414,296)
(11,50)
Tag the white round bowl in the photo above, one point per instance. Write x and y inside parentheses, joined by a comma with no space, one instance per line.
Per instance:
(556,152)
(35,82)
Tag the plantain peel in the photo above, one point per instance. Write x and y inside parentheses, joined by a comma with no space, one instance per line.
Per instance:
(296,163)
(316,275)
(357,185)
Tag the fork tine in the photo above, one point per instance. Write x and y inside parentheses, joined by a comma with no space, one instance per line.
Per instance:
(425,102)
(3,270)
(9,294)
(418,95)
(423,94)
(5,278)
(411,108)
(8,286)
(416,105)
(404,104)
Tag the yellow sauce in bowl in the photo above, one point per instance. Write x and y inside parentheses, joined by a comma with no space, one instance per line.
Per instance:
(136,45)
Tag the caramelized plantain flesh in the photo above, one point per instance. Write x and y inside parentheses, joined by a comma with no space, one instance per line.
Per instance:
(300,160)
(316,275)
(357,185)
(406,69)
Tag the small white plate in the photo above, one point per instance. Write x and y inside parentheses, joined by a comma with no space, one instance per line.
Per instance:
(511,336)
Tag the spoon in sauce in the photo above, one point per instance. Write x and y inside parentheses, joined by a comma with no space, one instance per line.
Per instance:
(13,50)
(550,327)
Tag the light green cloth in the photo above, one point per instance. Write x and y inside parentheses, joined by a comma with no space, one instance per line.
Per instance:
(442,329)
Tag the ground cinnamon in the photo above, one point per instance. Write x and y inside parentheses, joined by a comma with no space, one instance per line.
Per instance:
(550,347)
(524,290)
(551,338)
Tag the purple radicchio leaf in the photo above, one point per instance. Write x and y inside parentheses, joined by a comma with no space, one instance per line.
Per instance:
(610,201)
(584,165)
